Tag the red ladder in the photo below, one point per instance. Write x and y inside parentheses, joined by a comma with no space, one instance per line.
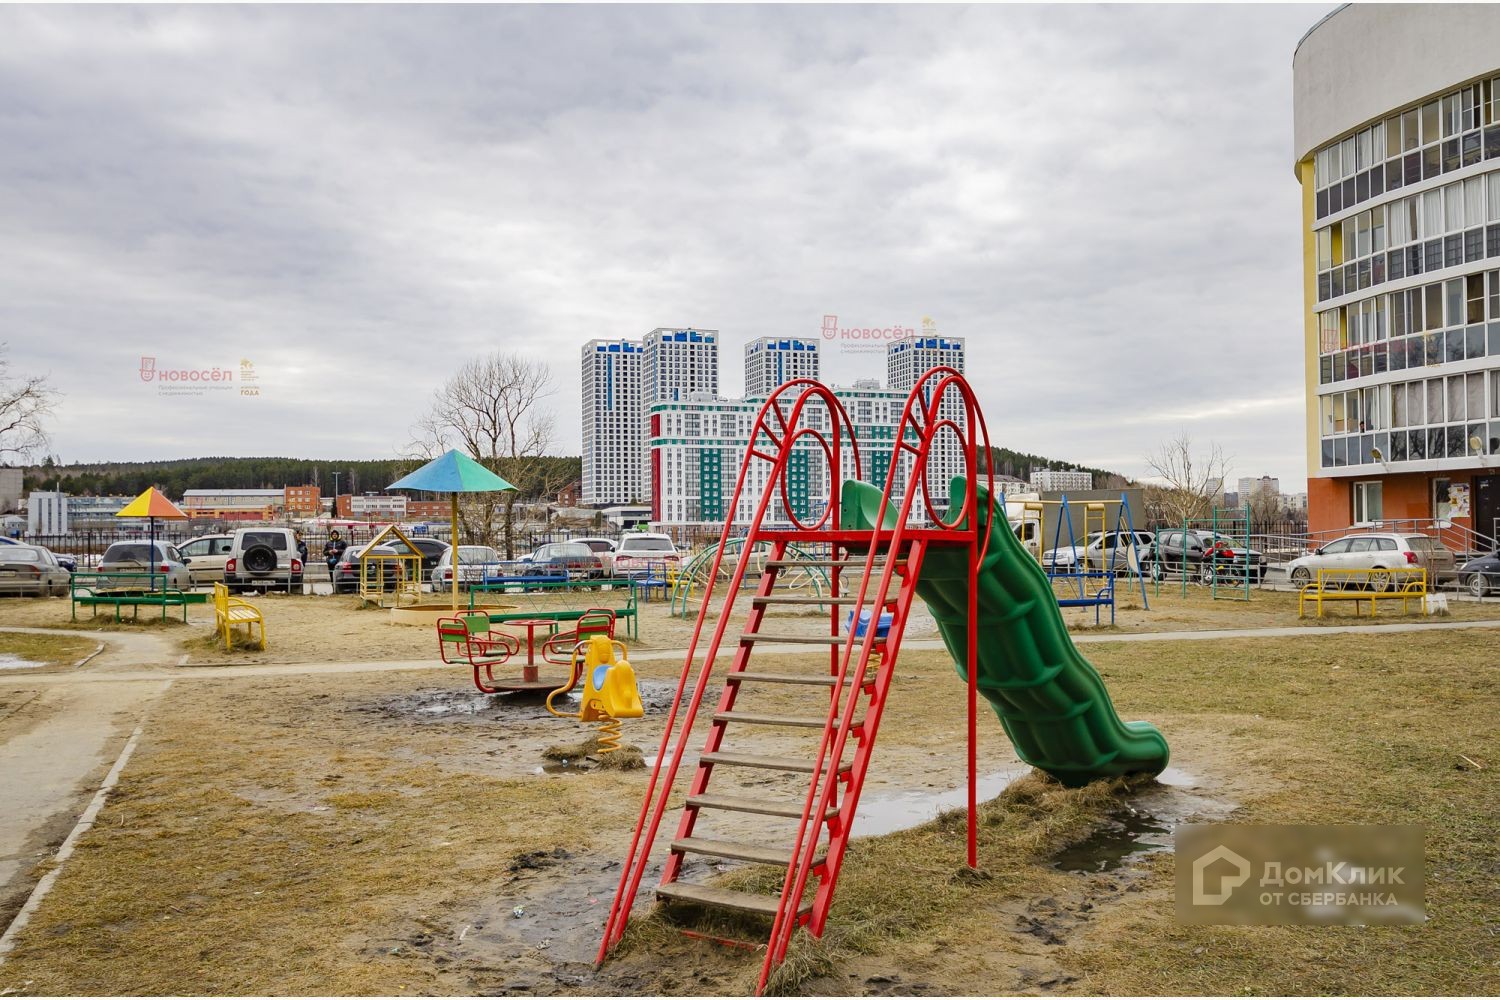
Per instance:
(890,558)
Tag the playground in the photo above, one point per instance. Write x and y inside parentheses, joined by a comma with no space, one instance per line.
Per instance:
(374,832)
(342,812)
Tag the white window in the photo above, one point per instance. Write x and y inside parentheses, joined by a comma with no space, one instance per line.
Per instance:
(1367,502)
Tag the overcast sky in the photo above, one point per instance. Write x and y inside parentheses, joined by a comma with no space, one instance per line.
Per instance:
(355,200)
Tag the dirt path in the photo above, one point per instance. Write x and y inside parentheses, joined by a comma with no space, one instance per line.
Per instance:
(56,749)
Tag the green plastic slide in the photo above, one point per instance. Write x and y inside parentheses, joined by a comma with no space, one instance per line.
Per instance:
(1051,701)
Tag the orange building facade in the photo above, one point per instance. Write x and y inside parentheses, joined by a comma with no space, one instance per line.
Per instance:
(1397,150)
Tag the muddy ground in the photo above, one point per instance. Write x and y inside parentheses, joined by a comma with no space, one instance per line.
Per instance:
(395,832)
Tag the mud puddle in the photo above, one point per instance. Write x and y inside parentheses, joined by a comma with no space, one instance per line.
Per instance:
(891,812)
(1146,824)
(542,928)
(450,705)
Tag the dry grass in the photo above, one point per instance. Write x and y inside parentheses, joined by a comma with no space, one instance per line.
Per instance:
(279,836)
(46,650)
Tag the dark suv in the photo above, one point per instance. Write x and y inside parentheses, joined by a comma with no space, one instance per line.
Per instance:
(1202,555)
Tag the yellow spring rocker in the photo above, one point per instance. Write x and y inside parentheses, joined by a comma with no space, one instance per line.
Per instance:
(610,692)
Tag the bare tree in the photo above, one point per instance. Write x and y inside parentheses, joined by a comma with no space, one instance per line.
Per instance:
(1187,483)
(25,403)
(491,409)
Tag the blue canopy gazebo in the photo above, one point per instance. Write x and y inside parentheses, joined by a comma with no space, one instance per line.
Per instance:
(452,473)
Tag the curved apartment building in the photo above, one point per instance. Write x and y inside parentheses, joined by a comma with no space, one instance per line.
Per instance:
(1397,135)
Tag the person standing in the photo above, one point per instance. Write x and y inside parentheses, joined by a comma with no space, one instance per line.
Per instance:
(333,551)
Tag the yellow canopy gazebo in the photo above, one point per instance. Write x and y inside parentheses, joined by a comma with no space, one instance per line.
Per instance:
(152,504)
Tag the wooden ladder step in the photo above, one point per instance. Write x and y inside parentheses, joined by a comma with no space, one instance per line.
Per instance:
(761,807)
(705,895)
(742,676)
(736,851)
(790,721)
(814,640)
(765,763)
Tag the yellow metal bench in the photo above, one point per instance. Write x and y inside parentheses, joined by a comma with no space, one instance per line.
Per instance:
(1373,585)
(232,612)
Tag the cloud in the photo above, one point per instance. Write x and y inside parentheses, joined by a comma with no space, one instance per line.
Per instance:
(358,199)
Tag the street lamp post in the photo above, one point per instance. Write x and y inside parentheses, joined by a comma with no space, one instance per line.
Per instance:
(336,494)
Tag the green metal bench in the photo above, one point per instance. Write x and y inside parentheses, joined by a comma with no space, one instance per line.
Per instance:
(128,590)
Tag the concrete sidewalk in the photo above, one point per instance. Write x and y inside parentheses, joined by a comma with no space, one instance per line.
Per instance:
(137,665)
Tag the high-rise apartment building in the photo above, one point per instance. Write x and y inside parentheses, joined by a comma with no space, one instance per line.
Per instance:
(689,442)
(676,364)
(1397,148)
(697,447)
(774,361)
(612,455)
(1266,486)
(905,362)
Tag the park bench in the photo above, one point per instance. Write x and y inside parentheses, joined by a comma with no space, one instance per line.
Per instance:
(232,612)
(128,590)
(1373,585)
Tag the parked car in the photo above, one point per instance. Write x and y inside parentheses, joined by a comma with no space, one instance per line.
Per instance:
(1202,555)
(262,559)
(1481,576)
(1116,551)
(348,571)
(1067,558)
(566,560)
(475,562)
(639,552)
(207,555)
(67,562)
(1376,551)
(604,548)
(31,569)
(432,552)
(139,557)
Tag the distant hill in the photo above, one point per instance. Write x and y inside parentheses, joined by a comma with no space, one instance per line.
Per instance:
(177,475)
(1004,462)
(174,476)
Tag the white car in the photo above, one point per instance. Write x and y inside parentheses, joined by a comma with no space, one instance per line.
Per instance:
(473,563)
(1067,558)
(262,558)
(1375,551)
(640,554)
(208,553)
(1113,551)
(604,548)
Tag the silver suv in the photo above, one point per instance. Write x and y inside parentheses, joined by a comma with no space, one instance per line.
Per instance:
(262,559)
(1377,551)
